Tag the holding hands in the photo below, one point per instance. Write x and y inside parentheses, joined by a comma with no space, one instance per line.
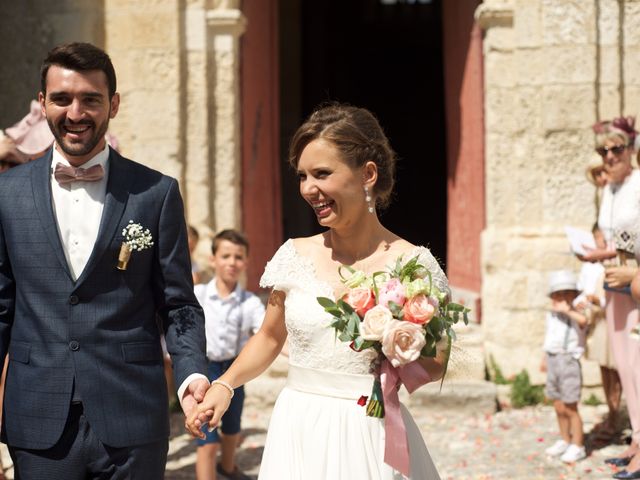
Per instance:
(210,409)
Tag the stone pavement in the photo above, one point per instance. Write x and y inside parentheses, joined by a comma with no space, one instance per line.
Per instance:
(466,443)
(467,439)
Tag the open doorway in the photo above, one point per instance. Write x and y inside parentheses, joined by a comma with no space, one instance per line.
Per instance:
(385,55)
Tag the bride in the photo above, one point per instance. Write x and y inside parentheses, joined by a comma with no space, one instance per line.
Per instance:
(346,169)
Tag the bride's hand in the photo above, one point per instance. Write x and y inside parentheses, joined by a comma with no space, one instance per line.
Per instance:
(215,403)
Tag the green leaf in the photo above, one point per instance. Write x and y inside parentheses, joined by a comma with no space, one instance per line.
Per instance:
(345,307)
(345,337)
(396,310)
(326,302)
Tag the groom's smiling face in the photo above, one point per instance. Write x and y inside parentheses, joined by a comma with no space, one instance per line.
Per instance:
(78,110)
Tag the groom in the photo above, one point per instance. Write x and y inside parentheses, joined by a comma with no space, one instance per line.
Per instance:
(85,391)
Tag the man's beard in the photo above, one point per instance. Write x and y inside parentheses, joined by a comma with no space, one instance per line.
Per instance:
(81,148)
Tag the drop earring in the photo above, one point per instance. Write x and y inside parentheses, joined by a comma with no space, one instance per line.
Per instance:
(367,198)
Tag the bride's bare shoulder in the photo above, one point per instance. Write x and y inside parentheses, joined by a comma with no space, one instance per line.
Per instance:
(307,246)
(399,245)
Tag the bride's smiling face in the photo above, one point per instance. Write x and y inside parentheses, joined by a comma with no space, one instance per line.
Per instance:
(334,190)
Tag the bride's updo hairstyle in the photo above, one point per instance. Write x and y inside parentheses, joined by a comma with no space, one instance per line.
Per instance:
(356,133)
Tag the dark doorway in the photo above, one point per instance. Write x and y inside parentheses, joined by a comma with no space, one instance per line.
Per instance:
(384,55)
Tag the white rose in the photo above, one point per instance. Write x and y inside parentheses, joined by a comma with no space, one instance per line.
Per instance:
(374,323)
(402,342)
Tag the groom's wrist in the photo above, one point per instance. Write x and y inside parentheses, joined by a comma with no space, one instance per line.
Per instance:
(185,384)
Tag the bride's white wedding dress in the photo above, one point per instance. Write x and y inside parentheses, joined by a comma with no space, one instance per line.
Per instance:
(317,429)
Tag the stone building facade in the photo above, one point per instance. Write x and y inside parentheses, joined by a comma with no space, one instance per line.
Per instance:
(552,69)
(524,81)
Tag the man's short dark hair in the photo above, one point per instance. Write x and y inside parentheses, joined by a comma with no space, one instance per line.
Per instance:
(79,57)
(232,236)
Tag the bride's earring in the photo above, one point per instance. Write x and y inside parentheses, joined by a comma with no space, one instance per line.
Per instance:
(368,199)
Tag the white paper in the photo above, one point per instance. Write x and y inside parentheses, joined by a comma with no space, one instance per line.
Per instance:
(578,238)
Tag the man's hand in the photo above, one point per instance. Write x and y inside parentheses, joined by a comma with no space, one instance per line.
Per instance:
(193,395)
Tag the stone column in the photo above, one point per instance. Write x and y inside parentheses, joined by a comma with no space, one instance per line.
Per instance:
(225,26)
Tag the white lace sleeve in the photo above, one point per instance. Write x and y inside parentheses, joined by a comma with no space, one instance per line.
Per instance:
(280,270)
(439,278)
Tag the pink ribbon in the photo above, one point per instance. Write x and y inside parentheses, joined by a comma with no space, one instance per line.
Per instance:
(396,447)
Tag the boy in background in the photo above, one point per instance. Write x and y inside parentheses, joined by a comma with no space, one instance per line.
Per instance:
(232,315)
(564,345)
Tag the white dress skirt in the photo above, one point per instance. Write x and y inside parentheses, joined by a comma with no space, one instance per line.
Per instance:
(317,430)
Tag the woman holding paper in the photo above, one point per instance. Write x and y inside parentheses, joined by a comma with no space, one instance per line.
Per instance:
(618,220)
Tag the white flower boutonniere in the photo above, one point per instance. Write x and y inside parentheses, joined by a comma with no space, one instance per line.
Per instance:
(135,238)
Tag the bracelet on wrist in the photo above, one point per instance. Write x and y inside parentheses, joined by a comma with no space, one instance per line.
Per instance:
(225,385)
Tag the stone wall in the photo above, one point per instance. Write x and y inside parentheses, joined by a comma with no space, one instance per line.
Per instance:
(29,30)
(552,69)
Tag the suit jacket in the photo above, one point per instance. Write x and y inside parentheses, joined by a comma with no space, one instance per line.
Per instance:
(101,331)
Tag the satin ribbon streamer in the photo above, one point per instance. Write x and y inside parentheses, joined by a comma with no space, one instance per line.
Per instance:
(412,376)
(67,174)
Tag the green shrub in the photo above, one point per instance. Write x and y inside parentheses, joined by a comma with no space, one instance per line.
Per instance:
(498,377)
(592,400)
(523,393)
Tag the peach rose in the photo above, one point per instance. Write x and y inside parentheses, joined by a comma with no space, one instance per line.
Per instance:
(360,299)
(374,323)
(420,309)
(392,291)
(402,342)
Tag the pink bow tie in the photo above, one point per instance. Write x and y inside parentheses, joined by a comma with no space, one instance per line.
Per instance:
(66,174)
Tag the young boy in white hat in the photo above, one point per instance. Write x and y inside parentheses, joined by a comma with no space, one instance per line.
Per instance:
(564,345)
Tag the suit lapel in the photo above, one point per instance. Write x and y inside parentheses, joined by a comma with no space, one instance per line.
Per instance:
(41,184)
(118,186)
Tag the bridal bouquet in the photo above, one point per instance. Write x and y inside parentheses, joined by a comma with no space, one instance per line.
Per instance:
(400,313)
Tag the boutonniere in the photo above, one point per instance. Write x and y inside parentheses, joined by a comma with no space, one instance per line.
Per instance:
(135,238)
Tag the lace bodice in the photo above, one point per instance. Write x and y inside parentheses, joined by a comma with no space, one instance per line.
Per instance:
(312,342)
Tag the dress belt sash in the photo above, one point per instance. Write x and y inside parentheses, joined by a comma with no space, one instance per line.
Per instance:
(331,384)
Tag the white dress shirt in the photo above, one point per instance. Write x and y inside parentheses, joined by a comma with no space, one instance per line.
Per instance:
(78,209)
(563,335)
(230,321)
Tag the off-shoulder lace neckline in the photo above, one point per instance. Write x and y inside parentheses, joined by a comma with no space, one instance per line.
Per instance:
(326,285)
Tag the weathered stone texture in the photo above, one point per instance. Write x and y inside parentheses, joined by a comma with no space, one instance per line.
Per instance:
(546,83)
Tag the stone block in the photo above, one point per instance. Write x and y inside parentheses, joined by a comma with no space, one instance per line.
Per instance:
(527,24)
(609,64)
(515,357)
(477,398)
(609,101)
(530,65)
(632,100)
(631,22)
(570,22)
(500,69)
(570,64)
(566,107)
(499,38)
(609,23)
(140,28)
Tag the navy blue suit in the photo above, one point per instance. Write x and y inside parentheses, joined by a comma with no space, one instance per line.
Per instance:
(99,333)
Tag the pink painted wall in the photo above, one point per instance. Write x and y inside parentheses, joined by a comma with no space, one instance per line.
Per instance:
(261,205)
(462,44)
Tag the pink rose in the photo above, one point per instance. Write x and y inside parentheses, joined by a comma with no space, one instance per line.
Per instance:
(402,342)
(375,322)
(360,299)
(420,309)
(392,291)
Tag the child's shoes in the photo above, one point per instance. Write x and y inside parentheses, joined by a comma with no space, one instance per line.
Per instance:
(557,448)
(573,453)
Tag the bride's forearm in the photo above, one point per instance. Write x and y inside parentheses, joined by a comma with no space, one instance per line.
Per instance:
(256,356)
(262,349)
